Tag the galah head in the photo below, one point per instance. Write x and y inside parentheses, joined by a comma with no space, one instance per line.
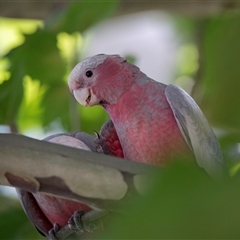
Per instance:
(101,79)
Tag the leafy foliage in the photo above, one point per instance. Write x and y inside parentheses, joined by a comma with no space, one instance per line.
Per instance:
(81,15)
(14,222)
(184,203)
(221,72)
(36,59)
(40,58)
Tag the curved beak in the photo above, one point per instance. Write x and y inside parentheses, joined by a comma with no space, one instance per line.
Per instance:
(86,97)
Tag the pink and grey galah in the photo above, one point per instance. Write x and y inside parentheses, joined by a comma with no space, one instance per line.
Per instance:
(150,122)
(154,122)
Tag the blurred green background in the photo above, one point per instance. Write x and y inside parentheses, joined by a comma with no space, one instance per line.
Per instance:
(195,45)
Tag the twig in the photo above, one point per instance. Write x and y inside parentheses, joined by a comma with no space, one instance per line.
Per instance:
(87,218)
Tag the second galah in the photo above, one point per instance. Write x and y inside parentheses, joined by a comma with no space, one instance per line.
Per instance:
(154,122)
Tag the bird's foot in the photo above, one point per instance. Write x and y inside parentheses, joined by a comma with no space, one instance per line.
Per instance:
(53,231)
(78,224)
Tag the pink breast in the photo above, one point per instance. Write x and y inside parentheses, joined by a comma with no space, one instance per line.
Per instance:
(58,210)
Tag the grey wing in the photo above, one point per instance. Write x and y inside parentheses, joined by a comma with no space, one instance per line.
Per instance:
(197,132)
(87,139)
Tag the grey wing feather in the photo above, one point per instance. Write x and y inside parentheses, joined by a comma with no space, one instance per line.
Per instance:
(197,132)
(82,136)
(87,139)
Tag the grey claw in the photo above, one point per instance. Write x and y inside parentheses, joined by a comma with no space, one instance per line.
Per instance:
(75,222)
(78,225)
(53,231)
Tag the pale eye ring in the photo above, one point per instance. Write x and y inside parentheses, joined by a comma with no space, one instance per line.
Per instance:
(89,73)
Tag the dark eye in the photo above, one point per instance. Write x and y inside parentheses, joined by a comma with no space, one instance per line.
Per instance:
(89,73)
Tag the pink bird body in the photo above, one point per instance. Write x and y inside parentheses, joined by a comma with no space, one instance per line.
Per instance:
(58,210)
(154,122)
(108,140)
(44,211)
(147,135)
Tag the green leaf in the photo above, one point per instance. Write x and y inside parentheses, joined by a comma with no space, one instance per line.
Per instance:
(42,58)
(221,71)
(30,111)
(92,118)
(81,15)
(55,105)
(11,94)
(37,57)
(14,222)
(15,225)
(183,204)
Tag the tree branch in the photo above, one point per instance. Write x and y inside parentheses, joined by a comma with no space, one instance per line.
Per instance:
(99,180)
(87,218)
(42,9)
